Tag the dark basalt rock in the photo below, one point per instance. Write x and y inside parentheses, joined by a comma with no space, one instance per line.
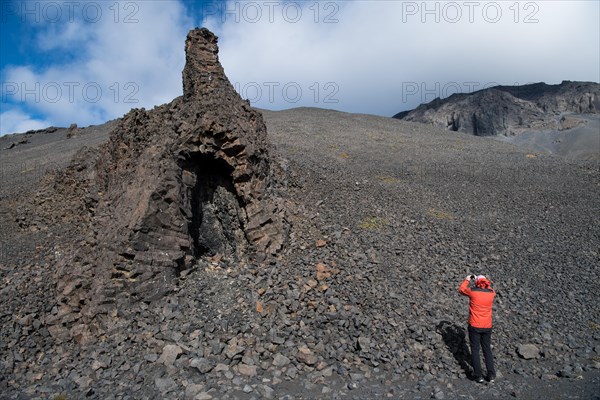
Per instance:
(185,180)
(508,110)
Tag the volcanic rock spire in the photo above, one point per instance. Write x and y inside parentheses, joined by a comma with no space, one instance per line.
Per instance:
(187,179)
(203,74)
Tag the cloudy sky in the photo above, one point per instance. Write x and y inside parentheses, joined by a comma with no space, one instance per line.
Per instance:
(87,62)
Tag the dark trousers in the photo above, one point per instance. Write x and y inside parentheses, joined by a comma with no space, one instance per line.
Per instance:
(481,338)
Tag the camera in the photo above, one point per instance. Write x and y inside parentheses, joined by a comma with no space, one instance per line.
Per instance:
(472,277)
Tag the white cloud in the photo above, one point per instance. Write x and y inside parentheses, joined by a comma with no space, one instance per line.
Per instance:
(377,48)
(376,57)
(111,65)
(17,121)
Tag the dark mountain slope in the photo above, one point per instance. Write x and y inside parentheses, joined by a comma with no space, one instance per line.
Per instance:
(510,110)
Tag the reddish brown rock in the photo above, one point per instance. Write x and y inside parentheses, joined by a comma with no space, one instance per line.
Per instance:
(186,180)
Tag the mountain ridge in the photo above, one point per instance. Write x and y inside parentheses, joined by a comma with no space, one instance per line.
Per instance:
(508,110)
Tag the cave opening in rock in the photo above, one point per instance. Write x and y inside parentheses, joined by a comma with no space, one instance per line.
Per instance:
(215,222)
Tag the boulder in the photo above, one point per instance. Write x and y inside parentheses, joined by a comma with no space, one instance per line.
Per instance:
(528,351)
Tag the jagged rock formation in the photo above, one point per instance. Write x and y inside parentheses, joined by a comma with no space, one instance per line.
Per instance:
(508,110)
(184,180)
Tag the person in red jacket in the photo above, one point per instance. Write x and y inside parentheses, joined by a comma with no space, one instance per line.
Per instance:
(480,323)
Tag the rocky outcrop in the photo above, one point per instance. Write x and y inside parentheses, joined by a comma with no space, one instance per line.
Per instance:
(509,110)
(567,97)
(185,180)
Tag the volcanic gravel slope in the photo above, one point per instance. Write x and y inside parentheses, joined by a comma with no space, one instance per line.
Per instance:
(386,218)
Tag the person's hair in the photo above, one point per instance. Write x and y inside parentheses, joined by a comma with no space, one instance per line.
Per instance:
(483,283)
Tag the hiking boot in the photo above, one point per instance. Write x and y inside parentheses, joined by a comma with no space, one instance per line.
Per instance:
(491,378)
(479,379)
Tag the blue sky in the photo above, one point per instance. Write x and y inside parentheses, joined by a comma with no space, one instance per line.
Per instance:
(87,62)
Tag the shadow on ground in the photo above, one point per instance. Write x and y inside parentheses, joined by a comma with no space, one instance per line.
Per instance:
(455,339)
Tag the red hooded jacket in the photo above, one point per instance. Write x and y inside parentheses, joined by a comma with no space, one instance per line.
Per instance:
(480,306)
